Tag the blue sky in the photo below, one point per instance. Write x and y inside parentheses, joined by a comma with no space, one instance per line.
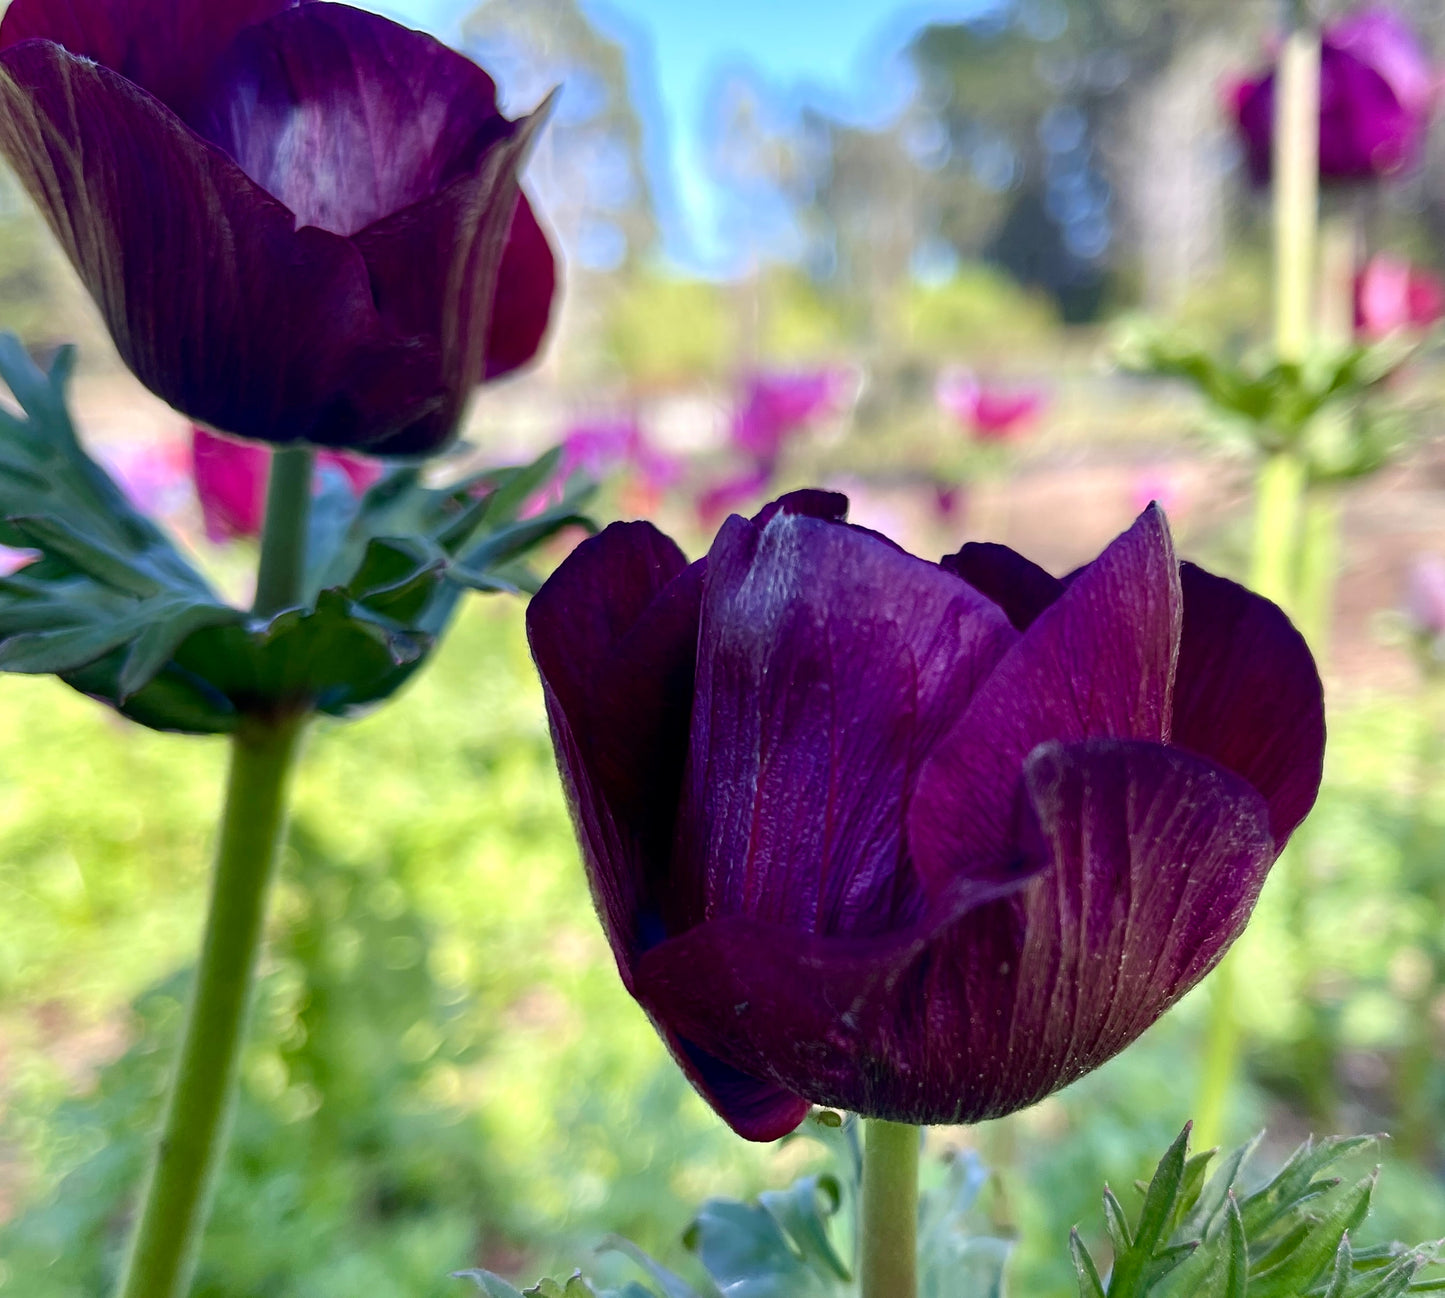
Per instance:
(831,51)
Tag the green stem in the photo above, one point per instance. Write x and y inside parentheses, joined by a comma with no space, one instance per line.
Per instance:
(1281,481)
(889,1230)
(1278,497)
(1319,554)
(168,1233)
(282,570)
(176,1200)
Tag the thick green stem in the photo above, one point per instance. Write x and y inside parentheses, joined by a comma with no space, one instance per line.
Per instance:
(1319,555)
(283,544)
(1281,482)
(889,1230)
(174,1206)
(1278,500)
(168,1233)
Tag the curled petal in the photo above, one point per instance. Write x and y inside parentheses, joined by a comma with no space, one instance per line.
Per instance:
(526,289)
(1247,695)
(214,299)
(1146,863)
(1097,663)
(829,664)
(437,271)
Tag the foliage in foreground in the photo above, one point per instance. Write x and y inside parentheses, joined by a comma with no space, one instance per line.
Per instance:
(1192,1236)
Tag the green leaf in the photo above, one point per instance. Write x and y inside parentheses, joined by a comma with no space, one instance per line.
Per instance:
(1090,1286)
(491,1285)
(673,1286)
(1342,1210)
(114,609)
(750,1254)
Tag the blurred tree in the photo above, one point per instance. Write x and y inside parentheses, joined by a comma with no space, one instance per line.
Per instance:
(1075,129)
(588,172)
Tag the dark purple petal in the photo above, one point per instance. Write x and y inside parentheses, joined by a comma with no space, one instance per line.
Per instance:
(756,1110)
(167,47)
(830,506)
(436,271)
(213,298)
(1247,695)
(1156,857)
(1018,586)
(614,634)
(829,663)
(526,288)
(346,117)
(1096,664)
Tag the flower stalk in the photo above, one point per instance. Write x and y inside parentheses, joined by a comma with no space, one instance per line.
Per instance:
(1280,486)
(889,1229)
(176,1200)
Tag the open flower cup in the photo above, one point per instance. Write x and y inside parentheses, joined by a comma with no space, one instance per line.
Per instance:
(301,222)
(926,841)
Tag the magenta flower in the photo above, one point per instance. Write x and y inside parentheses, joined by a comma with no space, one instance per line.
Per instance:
(300,221)
(1377,91)
(923,841)
(1391,294)
(777,406)
(987,412)
(715,502)
(1425,596)
(230,479)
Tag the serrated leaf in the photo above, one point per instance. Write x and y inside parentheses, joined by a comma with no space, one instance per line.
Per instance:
(1343,1210)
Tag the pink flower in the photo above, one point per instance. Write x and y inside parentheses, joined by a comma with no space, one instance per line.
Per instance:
(721,499)
(12,560)
(777,406)
(1425,595)
(230,478)
(989,413)
(1391,294)
(151,473)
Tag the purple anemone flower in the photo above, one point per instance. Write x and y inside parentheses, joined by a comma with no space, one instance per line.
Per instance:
(300,221)
(776,406)
(1377,91)
(924,841)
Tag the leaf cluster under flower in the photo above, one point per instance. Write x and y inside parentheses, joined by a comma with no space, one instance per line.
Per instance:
(114,608)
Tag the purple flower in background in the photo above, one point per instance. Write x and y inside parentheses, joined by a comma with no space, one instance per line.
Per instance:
(715,502)
(776,406)
(230,480)
(1377,91)
(300,221)
(987,412)
(1391,294)
(924,841)
(1425,596)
